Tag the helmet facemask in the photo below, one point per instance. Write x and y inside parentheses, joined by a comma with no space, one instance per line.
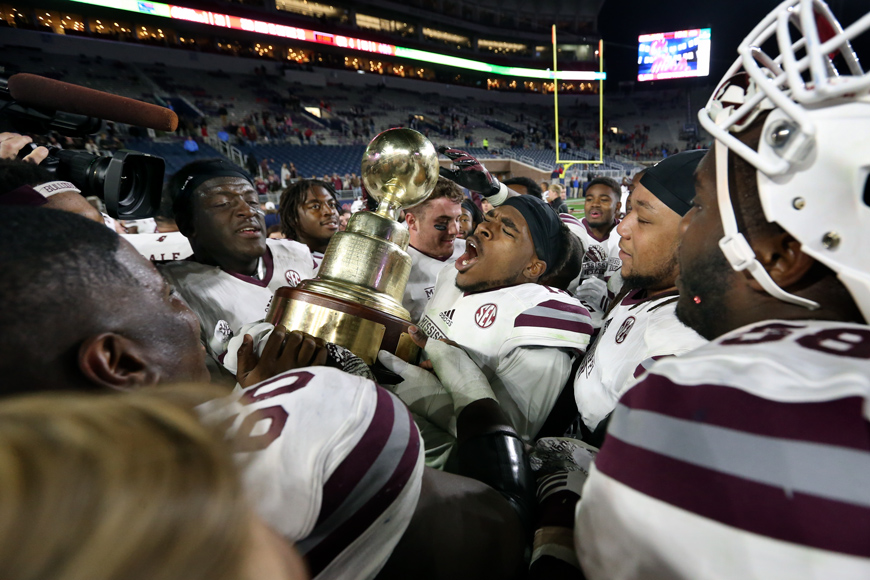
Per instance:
(813,157)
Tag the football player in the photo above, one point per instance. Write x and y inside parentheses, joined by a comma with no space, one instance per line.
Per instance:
(332,461)
(309,214)
(235,269)
(519,332)
(746,457)
(601,206)
(642,327)
(599,279)
(434,229)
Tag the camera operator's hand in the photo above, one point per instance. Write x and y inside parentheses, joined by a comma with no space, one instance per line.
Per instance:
(283,352)
(72,201)
(471,174)
(12,143)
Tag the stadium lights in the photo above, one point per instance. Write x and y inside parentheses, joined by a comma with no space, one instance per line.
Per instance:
(257,26)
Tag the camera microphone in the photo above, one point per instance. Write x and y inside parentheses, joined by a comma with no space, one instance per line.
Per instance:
(37,91)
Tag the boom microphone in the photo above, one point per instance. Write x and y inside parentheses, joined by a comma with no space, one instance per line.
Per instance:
(38,91)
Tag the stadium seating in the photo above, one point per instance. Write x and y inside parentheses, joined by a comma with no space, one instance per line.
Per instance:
(198,95)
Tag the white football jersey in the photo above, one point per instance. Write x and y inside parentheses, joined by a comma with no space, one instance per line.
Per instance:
(331,461)
(161,247)
(746,458)
(600,261)
(636,333)
(523,338)
(424,272)
(601,255)
(225,301)
(143,226)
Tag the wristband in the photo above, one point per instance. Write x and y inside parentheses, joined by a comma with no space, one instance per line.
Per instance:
(500,197)
(54,187)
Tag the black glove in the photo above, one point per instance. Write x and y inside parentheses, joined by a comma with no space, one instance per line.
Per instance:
(471,174)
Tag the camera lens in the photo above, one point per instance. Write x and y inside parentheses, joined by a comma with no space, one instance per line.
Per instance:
(127,187)
(128,182)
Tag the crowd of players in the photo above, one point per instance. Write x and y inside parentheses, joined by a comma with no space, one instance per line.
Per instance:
(679,393)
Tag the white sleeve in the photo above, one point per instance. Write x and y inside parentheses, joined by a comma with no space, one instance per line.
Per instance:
(500,197)
(533,378)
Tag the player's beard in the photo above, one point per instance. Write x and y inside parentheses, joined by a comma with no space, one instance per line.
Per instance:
(662,278)
(486,284)
(708,280)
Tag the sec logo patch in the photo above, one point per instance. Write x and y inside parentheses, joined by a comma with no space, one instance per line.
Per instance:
(485,315)
(292,276)
(622,333)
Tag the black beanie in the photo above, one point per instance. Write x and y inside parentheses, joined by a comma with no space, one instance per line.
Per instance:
(544,227)
(672,180)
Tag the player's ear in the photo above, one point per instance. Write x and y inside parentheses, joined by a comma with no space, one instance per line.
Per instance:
(782,257)
(115,362)
(411,220)
(535,269)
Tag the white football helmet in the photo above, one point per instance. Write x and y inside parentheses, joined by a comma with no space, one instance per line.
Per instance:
(813,158)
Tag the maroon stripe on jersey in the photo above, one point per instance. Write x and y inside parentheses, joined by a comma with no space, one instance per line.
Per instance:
(569,219)
(839,422)
(268,267)
(592,235)
(646,364)
(323,553)
(754,507)
(563,307)
(357,463)
(558,324)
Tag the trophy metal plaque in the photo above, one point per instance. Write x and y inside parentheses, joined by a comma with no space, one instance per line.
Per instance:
(356,299)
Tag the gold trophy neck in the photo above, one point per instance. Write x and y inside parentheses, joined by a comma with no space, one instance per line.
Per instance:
(364,267)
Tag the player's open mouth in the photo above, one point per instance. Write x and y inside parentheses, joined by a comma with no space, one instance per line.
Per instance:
(470,257)
(595,213)
(249,232)
(331,224)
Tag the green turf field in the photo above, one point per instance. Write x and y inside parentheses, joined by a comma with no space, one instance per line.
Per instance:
(576,207)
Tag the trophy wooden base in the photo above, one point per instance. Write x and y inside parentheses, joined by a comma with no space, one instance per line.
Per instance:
(360,329)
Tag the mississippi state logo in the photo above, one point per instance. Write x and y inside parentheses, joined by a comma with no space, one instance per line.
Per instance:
(222,331)
(595,254)
(622,333)
(594,262)
(485,315)
(292,276)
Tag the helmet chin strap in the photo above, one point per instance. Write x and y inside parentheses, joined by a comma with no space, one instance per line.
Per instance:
(737,250)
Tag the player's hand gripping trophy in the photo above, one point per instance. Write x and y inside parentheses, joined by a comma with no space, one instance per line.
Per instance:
(356,299)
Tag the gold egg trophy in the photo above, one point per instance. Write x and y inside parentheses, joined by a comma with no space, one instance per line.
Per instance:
(356,299)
